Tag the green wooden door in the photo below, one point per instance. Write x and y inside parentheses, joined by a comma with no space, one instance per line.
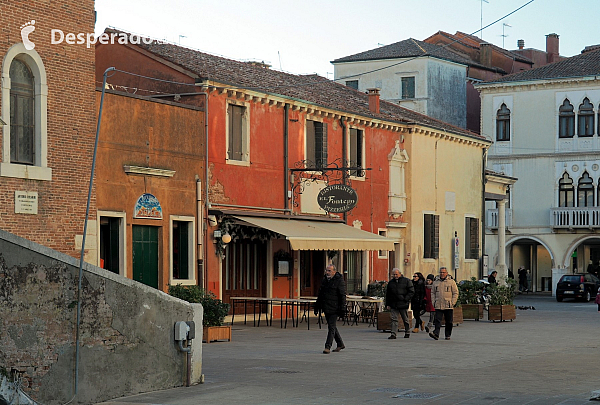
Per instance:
(145,254)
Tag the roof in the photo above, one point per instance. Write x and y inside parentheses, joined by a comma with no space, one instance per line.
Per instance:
(408,48)
(312,89)
(585,64)
(472,39)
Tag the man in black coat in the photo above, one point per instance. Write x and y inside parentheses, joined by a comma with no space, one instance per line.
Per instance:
(400,291)
(332,301)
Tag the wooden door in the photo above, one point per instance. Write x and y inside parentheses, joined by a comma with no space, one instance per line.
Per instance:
(145,254)
(244,270)
(312,269)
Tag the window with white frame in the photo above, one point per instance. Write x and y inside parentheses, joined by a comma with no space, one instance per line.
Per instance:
(238,142)
(316,144)
(356,151)
(408,87)
(503,123)
(24,109)
(585,119)
(182,249)
(111,241)
(566,120)
(585,191)
(471,238)
(566,191)
(431,234)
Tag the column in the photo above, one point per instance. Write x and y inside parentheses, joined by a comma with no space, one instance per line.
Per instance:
(501,266)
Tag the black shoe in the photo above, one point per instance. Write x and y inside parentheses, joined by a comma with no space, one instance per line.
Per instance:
(447,338)
(433,335)
(427,329)
(406,335)
(392,337)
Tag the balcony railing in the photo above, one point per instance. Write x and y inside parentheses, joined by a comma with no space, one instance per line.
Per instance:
(571,218)
(492,218)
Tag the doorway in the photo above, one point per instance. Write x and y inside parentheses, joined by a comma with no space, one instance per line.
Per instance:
(244,269)
(145,254)
(312,269)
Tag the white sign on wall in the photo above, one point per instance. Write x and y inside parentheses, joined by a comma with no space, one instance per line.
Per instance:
(26,202)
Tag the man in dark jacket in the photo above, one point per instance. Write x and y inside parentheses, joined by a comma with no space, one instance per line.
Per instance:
(400,291)
(332,301)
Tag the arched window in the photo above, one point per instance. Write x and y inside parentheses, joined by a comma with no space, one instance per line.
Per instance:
(566,191)
(22,116)
(24,108)
(503,124)
(585,191)
(566,120)
(585,120)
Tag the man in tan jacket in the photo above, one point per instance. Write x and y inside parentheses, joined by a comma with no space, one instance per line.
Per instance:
(444,294)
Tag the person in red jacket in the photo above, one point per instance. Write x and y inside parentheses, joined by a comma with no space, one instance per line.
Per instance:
(598,299)
(428,302)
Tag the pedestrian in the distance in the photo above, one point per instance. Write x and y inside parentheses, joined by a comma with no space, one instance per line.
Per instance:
(429,302)
(492,277)
(598,299)
(399,292)
(522,273)
(416,304)
(332,301)
(445,295)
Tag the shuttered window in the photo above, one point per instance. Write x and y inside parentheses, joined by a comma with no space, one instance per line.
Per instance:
(431,233)
(356,152)
(316,144)
(235,149)
(471,238)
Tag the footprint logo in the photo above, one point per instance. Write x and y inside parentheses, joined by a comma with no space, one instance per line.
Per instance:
(27,29)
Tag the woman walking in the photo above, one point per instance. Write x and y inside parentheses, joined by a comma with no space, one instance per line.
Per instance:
(429,302)
(417,300)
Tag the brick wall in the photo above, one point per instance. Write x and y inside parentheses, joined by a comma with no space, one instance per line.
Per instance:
(71,123)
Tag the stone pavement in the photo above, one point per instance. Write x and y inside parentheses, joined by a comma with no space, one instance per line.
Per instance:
(546,356)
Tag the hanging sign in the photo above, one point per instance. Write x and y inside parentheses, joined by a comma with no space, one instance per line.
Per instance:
(147,207)
(337,198)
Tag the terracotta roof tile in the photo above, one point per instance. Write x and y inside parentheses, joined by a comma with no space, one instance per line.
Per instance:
(585,64)
(312,89)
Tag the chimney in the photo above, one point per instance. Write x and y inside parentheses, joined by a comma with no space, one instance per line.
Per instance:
(374,100)
(552,48)
(485,54)
(521,43)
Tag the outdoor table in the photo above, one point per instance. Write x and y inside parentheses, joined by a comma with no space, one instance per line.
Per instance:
(364,308)
(292,307)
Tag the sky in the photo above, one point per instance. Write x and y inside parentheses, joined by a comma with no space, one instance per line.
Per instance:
(304,36)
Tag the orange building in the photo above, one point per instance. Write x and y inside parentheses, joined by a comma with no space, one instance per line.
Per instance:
(274,142)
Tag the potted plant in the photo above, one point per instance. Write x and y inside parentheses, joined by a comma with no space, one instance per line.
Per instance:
(501,299)
(469,294)
(215,311)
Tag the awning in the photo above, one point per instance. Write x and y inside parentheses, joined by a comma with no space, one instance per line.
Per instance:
(318,235)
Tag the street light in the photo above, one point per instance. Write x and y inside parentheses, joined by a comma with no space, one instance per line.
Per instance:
(226,238)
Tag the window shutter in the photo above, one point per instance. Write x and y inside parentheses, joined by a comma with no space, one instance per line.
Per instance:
(474,238)
(235,151)
(436,236)
(321,144)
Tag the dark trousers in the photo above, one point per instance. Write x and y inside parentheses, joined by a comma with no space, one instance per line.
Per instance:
(447,315)
(332,332)
(394,317)
(417,315)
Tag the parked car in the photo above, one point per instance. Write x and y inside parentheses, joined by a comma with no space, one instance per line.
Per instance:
(579,285)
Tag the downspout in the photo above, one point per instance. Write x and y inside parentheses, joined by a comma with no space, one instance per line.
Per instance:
(483,182)
(286,109)
(344,161)
(204,86)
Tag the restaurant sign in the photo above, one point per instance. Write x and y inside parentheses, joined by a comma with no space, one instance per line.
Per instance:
(337,198)
(147,207)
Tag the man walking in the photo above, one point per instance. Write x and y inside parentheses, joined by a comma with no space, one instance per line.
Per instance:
(400,291)
(444,294)
(332,301)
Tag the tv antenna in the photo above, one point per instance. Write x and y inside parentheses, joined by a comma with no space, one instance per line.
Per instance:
(503,34)
(481,29)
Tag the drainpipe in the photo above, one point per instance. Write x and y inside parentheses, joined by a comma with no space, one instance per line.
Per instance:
(483,182)
(344,162)
(204,85)
(286,110)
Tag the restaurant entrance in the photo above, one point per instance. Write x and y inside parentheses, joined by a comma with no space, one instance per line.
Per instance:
(244,270)
(312,269)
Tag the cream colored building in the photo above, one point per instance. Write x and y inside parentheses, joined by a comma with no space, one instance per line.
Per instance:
(544,123)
